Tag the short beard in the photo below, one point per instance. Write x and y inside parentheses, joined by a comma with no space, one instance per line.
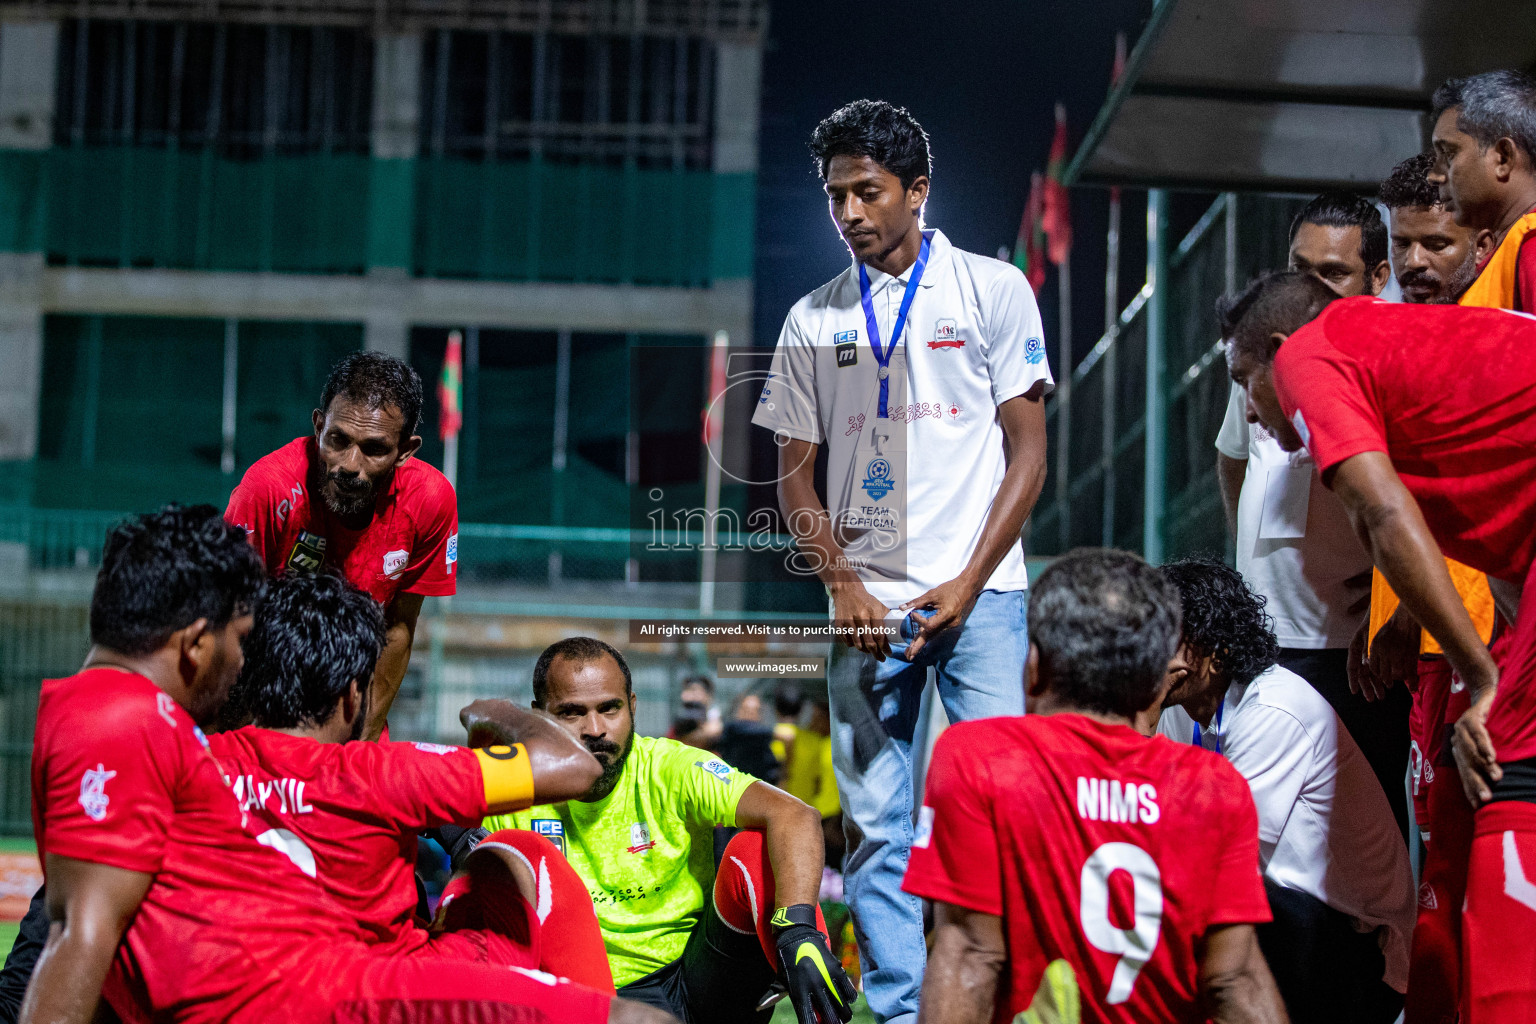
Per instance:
(1461,279)
(346,503)
(611,772)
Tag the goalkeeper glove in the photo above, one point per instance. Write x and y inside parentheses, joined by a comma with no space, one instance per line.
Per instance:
(819,991)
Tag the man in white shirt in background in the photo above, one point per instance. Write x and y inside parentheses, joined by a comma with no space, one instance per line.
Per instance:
(922,370)
(1295,545)
(1335,867)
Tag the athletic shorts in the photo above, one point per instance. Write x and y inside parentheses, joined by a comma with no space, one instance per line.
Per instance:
(1499,922)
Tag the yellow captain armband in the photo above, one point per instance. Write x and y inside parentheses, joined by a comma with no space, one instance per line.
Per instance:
(508,776)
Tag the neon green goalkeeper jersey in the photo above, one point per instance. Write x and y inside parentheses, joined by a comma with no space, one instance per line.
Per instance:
(646,850)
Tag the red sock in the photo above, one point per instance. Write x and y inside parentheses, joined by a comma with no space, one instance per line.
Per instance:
(570,942)
(744,895)
(1435,991)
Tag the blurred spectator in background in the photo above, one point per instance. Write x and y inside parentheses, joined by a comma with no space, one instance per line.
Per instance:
(1335,869)
(698,720)
(1295,545)
(788,701)
(746,741)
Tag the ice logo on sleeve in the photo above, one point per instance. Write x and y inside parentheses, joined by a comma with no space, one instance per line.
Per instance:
(1034,351)
(719,769)
(924,833)
(394,562)
(453,551)
(434,748)
(552,829)
(93,791)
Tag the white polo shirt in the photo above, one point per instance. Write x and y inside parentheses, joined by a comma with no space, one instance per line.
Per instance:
(910,493)
(1325,827)
(1295,545)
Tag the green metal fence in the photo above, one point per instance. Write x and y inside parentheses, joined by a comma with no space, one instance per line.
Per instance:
(1107,499)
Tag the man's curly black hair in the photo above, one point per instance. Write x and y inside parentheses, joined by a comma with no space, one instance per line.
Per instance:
(888,135)
(1408,184)
(1223,617)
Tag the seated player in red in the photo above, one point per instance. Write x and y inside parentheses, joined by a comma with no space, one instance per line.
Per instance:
(353,497)
(1423,420)
(160,885)
(1080,870)
(352,810)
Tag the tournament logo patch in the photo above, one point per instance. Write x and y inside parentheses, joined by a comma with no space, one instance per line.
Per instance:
(846,344)
(877,479)
(1034,351)
(719,769)
(434,748)
(394,562)
(453,551)
(552,829)
(923,835)
(946,334)
(640,838)
(93,791)
(308,553)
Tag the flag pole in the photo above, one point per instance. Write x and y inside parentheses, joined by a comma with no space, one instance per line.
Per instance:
(1111,359)
(714,427)
(1058,229)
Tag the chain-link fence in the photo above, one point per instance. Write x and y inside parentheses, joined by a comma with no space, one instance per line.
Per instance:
(1237,238)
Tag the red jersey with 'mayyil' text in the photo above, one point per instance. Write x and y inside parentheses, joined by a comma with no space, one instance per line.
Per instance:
(1099,847)
(357,807)
(121,776)
(411,545)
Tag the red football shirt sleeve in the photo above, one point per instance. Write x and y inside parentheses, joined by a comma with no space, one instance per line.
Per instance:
(434,570)
(1238,883)
(419,785)
(954,851)
(108,783)
(252,507)
(1329,398)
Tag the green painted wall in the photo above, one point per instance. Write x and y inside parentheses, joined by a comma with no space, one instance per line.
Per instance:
(435,217)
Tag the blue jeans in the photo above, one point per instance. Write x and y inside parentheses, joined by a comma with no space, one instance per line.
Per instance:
(980,670)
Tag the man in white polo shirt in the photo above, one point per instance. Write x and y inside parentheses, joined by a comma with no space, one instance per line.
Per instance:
(1295,545)
(922,370)
(1335,866)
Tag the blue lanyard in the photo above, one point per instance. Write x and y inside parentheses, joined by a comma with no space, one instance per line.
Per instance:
(882,353)
(1219,709)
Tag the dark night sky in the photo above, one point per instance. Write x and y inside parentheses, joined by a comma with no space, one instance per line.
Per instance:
(983,77)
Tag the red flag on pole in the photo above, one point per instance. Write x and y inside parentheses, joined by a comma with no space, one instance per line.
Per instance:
(450,389)
(1056,218)
(1029,248)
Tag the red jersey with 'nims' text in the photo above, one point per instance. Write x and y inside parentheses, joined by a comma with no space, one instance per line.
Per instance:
(357,808)
(1097,846)
(121,776)
(411,545)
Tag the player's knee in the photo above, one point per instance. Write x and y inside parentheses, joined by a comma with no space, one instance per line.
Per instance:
(624,1011)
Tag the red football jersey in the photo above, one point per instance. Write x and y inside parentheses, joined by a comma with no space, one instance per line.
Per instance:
(1449,394)
(121,776)
(411,545)
(1097,846)
(357,808)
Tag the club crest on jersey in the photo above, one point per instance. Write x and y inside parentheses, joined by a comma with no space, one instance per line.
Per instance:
(640,838)
(308,552)
(93,791)
(946,334)
(877,479)
(719,769)
(552,829)
(846,344)
(394,562)
(1034,351)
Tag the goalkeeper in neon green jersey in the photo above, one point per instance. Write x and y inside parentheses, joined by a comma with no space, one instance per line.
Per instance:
(706,946)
